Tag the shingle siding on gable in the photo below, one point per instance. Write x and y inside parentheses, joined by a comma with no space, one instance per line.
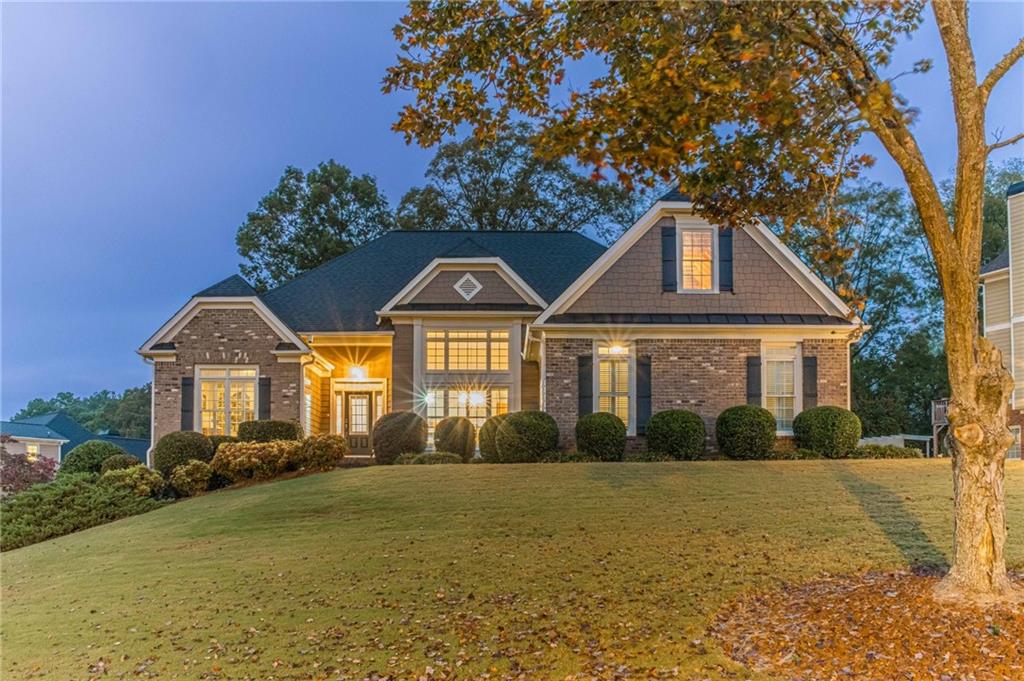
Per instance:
(441,289)
(633,284)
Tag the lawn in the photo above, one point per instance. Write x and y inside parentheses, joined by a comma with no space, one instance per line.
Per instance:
(542,570)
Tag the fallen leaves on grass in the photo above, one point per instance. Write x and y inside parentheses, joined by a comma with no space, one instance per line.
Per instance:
(874,626)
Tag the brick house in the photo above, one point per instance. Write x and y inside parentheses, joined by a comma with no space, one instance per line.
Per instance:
(677,313)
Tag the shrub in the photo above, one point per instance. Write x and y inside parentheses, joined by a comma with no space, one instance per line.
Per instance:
(139,479)
(88,457)
(176,448)
(218,440)
(677,433)
(525,437)
(797,454)
(488,447)
(17,473)
(601,436)
(456,434)
(117,462)
(833,432)
(745,432)
(647,456)
(886,452)
(319,453)
(240,461)
(406,458)
(397,433)
(568,456)
(268,431)
(191,478)
(437,457)
(72,502)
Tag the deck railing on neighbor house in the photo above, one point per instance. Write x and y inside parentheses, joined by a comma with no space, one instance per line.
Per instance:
(940,415)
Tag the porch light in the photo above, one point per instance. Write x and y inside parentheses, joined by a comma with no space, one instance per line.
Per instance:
(357,372)
(617,350)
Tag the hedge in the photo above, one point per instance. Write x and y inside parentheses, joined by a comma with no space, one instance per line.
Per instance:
(88,457)
(218,440)
(677,434)
(191,478)
(745,432)
(456,434)
(488,447)
(319,453)
(886,452)
(397,433)
(437,457)
(138,479)
(176,448)
(832,432)
(601,436)
(526,436)
(240,461)
(117,462)
(268,431)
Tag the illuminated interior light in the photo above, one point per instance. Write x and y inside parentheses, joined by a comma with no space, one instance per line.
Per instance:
(477,399)
(429,398)
(463,398)
(617,350)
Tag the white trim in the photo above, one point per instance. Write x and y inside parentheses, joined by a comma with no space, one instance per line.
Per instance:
(631,379)
(444,314)
(1009,295)
(700,331)
(183,316)
(438,265)
(814,286)
(995,275)
(798,379)
(197,392)
(477,287)
(1004,326)
(40,440)
(680,228)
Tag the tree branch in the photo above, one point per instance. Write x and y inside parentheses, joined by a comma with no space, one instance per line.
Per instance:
(1000,69)
(1006,142)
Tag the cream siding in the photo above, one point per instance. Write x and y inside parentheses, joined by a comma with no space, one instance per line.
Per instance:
(1015,205)
(1001,339)
(997,302)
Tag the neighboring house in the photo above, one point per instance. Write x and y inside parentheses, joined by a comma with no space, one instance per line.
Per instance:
(54,435)
(675,314)
(1002,287)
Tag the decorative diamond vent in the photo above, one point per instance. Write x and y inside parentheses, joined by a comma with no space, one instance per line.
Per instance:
(468,286)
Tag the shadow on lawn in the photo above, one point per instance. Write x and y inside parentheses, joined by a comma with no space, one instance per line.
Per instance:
(887,510)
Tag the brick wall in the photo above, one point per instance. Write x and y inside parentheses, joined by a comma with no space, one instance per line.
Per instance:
(219,337)
(833,369)
(561,384)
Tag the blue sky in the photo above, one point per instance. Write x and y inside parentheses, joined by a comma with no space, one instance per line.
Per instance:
(137,136)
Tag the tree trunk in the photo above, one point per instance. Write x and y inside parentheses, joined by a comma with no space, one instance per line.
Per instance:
(978,440)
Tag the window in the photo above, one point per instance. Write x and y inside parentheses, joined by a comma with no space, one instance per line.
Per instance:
(31,451)
(467,350)
(613,380)
(227,397)
(359,414)
(697,259)
(780,384)
(1014,452)
(308,406)
(476,404)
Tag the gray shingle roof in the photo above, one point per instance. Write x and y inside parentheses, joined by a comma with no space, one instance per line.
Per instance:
(345,293)
(66,428)
(730,319)
(674,195)
(18,429)
(1000,262)
(233,286)
(1015,188)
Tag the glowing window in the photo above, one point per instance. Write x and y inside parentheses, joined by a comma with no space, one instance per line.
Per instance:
(780,384)
(32,451)
(227,397)
(697,259)
(467,350)
(613,384)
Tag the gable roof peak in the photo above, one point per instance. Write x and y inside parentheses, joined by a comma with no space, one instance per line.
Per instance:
(232,287)
(468,248)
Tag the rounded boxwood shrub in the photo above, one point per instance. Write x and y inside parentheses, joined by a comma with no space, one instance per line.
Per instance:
(676,433)
(218,440)
(437,457)
(142,481)
(832,432)
(88,457)
(526,437)
(601,436)
(239,461)
(745,432)
(176,448)
(488,447)
(456,434)
(191,478)
(117,462)
(319,453)
(397,433)
(268,431)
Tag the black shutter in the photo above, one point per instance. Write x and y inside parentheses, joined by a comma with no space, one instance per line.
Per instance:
(643,394)
(585,370)
(188,397)
(725,260)
(810,382)
(668,259)
(754,380)
(264,398)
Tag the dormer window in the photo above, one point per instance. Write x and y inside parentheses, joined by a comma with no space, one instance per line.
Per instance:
(698,260)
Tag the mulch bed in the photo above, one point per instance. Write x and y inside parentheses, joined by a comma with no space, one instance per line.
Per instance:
(873,626)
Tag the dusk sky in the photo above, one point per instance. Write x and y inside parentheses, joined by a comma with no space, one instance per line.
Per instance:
(137,137)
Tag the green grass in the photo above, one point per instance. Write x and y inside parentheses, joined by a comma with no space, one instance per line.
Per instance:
(546,570)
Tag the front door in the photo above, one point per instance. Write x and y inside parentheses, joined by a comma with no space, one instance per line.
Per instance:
(358,421)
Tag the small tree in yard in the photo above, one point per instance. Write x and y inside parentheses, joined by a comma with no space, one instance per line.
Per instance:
(752,109)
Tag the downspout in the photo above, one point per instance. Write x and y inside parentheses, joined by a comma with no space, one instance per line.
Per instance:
(152,412)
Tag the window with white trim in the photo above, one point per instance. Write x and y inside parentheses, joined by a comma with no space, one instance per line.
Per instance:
(1014,452)
(467,350)
(697,259)
(32,451)
(613,380)
(227,397)
(476,404)
(780,384)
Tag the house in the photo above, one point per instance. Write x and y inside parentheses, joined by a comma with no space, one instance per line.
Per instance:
(55,434)
(1002,290)
(677,313)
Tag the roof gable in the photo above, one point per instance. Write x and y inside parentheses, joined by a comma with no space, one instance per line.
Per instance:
(233,286)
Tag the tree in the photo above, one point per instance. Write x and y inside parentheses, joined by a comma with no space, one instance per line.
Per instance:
(307,220)
(998,177)
(753,109)
(127,414)
(506,185)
